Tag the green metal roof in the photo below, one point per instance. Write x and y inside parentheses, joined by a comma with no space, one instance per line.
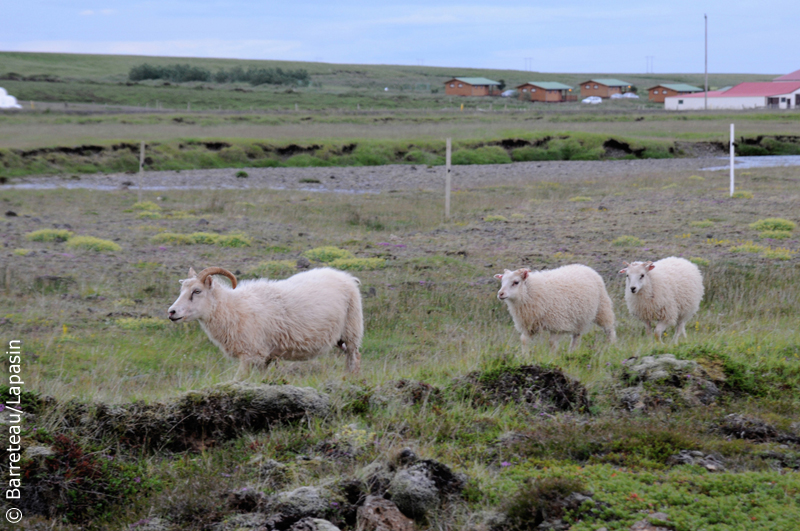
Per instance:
(476,81)
(610,82)
(678,87)
(547,85)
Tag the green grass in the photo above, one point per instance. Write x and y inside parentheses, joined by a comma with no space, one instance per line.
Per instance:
(431,315)
(49,235)
(627,241)
(91,243)
(773,224)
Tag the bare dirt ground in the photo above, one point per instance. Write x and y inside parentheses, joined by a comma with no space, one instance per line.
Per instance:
(374,179)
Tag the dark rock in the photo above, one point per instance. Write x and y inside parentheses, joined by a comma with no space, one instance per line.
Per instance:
(246,499)
(743,427)
(202,221)
(421,488)
(241,522)
(378,514)
(537,387)
(664,381)
(313,524)
(11,214)
(303,263)
(712,463)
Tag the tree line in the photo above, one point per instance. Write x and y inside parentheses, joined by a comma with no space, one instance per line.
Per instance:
(255,76)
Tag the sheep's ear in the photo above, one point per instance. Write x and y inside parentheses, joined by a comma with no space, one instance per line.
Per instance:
(192,272)
(499,276)
(209,282)
(650,266)
(625,270)
(626,264)
(525,273)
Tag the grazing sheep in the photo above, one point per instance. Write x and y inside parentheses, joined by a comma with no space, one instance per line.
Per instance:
(566,300)
(668,292)
(263,320)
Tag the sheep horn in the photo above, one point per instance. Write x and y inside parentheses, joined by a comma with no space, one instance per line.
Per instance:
(207,272)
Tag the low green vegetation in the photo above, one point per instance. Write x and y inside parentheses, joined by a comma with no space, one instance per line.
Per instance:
(627,241)
(49,235)
(91,243)
(328,253)
(774,224)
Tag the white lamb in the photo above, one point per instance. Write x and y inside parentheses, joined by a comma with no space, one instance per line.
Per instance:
(566,300)
(668,292)
(260,321)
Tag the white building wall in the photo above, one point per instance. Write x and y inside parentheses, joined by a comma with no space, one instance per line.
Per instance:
(680,103)
(698,104)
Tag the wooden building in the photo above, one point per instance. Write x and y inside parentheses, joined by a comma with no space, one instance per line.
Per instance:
(546,91)
(604,87)
(471,86)
(665,90)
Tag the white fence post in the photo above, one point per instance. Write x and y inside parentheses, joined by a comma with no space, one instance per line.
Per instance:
(447,179)
(141,166)
(732,157)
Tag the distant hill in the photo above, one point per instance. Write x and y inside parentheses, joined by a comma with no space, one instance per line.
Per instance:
(115,68)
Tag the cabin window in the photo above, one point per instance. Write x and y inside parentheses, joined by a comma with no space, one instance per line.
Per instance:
(595,86)
(663,92)
(460,85)
(588,87)
(452,85)
(533,90)
(680,102)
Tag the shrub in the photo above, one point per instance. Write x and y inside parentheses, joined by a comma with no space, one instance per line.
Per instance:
(274,268)
(495,217)
(775,234)
(172,238)
(241,174)
(358,264)
(481,155)
(146,205)
(540,500)
(773,224)
(781,253)
(90,243)
(580,199)
(309,180)
(22,252)
(327,254)
(49,235)
(742,195)
(702,262)
(627,241)
(234,240)
(204,238)
(702,224)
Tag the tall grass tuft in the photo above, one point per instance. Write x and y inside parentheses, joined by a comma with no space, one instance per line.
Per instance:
(49,235)
(90,243)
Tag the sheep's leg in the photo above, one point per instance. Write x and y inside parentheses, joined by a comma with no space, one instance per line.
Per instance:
(525,338)
(661,327)
(353,360)
(648,328)
(243,371)
(680,329)
(575,343)
(554,338)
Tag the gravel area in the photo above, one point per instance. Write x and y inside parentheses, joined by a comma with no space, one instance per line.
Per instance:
(371,179)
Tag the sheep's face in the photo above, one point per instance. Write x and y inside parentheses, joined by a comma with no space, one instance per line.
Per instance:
(511,284)
(636,276)
(194,302)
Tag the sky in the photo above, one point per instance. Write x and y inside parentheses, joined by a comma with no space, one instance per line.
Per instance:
(580,36)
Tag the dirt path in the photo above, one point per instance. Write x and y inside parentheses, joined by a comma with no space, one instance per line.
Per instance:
(372,179)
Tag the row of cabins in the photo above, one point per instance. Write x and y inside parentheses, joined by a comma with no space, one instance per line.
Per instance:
(554,92)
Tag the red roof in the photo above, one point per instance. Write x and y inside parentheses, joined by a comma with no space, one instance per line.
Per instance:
(794,76)
(755,89)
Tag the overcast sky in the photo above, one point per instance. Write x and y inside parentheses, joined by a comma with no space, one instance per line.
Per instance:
(580,36)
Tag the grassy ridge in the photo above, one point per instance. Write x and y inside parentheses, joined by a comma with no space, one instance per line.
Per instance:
(200,154)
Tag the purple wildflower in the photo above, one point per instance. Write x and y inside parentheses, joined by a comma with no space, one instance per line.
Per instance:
(225,475)
(505,464)
(400,245)
(384,243)
(162,248)
(137,480)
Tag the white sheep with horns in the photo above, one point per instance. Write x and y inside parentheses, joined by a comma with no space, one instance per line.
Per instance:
(566,300)
(668,292)
(260,321)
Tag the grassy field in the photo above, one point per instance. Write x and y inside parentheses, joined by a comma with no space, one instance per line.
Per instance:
(93,330)
(103,79)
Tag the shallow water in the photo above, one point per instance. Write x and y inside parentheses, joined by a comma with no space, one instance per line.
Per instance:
(767,161)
